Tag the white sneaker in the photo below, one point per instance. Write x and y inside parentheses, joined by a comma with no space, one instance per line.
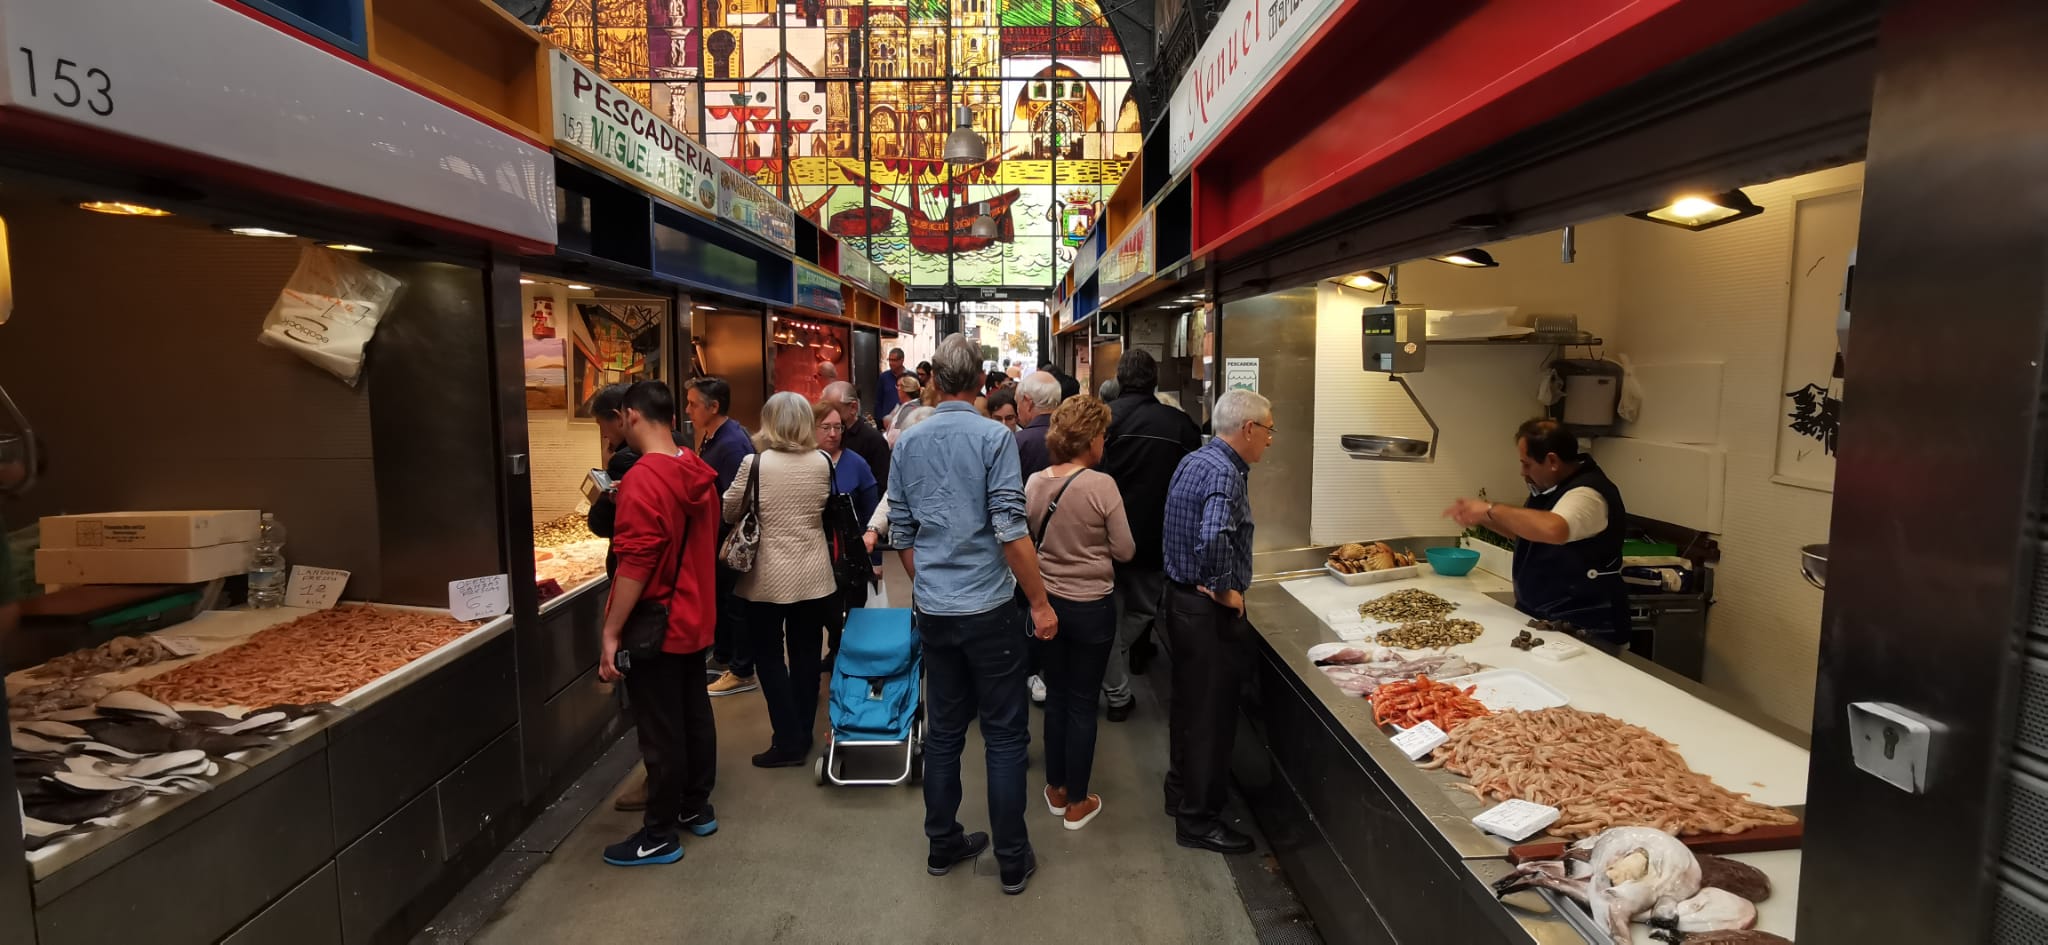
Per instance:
(1038,689)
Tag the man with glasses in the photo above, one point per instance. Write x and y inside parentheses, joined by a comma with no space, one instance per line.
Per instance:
(1002,408)
(886,398)
(1208,547)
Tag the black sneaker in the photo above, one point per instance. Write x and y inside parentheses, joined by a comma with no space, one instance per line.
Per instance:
(702,823)
(941,862)
(646,847)
(1015,881)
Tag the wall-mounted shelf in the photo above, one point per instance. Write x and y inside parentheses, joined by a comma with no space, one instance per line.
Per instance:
(1522,342)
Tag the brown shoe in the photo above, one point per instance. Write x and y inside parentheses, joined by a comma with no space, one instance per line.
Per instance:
(1056,800)
(635,797)
(1082,811)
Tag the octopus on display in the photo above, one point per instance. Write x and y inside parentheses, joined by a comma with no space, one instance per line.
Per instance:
(317,658)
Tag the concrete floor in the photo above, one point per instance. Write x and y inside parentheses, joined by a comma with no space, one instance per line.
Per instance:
(794,862)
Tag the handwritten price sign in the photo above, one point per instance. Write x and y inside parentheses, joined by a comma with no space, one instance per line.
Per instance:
(317,588)
(479,598)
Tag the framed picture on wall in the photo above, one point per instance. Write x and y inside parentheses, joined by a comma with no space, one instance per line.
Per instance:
(1823,243)
(612,341)
(547,365)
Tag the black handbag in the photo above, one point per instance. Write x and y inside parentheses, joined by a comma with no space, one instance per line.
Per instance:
(851,568)
(646,626)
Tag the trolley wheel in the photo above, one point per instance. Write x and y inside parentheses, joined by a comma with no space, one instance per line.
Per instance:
(819,770)
(917,769)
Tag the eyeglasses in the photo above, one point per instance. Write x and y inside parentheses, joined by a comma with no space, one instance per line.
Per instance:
(1270,431)
(831,428)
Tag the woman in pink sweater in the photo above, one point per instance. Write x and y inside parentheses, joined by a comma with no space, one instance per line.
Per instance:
(1077,518)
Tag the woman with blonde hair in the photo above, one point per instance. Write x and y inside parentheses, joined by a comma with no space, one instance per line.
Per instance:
(790,592)
(1076,516)
(910,396)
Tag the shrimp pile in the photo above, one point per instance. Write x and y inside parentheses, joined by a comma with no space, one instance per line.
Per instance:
(1599,771)
(1409,703)
(317,658)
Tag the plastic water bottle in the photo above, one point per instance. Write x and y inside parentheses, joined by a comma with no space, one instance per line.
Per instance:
(266,567)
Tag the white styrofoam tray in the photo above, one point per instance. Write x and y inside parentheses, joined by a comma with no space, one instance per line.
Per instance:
(1374,577)
(1506,690)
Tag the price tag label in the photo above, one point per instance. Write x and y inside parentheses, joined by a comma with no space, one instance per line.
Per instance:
(479,598)
(317,588)
(1517,819)
(1420,740)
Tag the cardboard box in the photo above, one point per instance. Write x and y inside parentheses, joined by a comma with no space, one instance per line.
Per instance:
(71,566)
(203,529)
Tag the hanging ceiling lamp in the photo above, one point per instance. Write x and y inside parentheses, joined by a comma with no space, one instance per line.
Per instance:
(1702,211)
(1469,259)
(1368,281)
(965,145)
(984,225)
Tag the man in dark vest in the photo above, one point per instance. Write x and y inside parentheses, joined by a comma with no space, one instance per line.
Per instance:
(1567,539)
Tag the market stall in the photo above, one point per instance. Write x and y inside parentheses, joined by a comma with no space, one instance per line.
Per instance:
(1327,777)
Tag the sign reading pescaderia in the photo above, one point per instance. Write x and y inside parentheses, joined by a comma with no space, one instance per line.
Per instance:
(1253,39)
(1128,261)
(595,119)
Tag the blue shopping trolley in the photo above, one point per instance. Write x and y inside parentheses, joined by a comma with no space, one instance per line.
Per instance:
(876,700)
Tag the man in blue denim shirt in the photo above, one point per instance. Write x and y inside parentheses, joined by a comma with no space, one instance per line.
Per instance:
(1208,546)
(956,504)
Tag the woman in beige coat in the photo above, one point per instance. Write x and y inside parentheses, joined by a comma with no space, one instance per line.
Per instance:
(790,593)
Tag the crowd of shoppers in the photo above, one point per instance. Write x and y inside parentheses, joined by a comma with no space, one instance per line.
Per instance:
(1046,533)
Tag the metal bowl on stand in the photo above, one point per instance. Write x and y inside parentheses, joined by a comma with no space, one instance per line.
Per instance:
(1813,565)
(1392,449)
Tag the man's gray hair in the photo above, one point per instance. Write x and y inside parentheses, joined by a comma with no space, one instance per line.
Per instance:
(1236,408)
(956,368)
(913,417)
(839,392)
(1042,388)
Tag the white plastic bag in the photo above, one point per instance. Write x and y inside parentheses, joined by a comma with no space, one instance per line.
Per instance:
(1549,388)
(1631,405)
(329,310)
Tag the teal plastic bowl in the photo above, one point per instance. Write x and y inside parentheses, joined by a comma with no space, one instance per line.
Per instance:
(1452,562)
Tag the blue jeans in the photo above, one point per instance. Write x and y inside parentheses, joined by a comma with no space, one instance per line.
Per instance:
(975,664)
(1074,662)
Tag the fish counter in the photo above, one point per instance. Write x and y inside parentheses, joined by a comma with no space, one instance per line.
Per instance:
(1385,848)
(268,775)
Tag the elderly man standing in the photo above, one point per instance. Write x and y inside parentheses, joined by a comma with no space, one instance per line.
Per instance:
(956,506)
(1146,442)
(1208,545)
(886,397)
(1037,396)
(861,436)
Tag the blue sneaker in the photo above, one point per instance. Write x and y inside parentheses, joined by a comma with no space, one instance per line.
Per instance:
(703,823)
(646,847)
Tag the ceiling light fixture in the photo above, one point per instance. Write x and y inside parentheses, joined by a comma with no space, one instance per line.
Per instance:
(350,248)
(120,209)
(526,282)
(1368,281)
(984,225)
(579,287)
(965,145)
(264,232)
(1469,259)
(1702,211)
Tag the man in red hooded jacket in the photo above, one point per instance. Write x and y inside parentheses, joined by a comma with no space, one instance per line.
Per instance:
(665,535)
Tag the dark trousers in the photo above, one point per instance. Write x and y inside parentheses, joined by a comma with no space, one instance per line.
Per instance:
(1212,650)
(1074,663)
(678,737)
(974,664)
(730,646)
(790,684)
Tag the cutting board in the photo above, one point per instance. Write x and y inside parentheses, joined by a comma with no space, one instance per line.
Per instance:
(1754,840)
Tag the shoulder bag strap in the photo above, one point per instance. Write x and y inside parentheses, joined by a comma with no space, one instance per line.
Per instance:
(754,488)
(1038,540)
(831,474)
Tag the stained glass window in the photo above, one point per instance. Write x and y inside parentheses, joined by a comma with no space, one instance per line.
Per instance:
(844,106)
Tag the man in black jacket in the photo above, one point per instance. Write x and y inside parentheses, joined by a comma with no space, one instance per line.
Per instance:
(861,436)
(1145,444)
